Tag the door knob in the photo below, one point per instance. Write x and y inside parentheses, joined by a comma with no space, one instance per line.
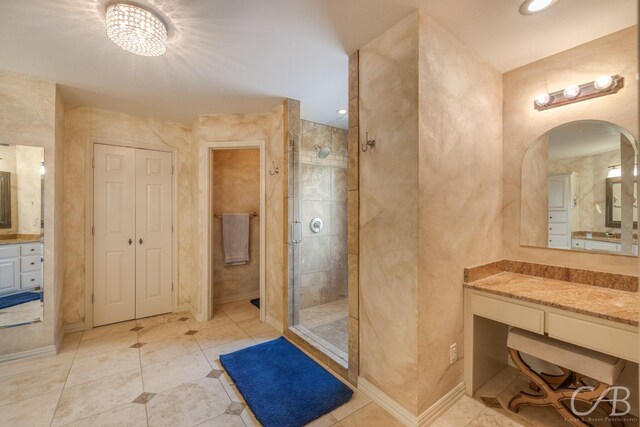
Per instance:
(130,241)
(140,240)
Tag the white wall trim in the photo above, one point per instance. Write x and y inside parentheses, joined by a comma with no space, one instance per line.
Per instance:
(72,328)
(41,351)
(185,307)
(441,406)
(204,180)
(88,237)
(401,413)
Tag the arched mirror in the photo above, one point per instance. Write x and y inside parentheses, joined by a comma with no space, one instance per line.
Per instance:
(579,189)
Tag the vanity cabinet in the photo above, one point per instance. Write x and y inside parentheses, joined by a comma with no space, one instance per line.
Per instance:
(20,267)
(597,245)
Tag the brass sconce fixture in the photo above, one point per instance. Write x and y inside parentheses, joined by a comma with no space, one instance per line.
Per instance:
(604,85)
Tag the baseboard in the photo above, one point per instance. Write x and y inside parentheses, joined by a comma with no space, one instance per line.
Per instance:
(72,328)
(185,307)
(401,413)
(41,351)
(239,297)
(441,406)
(275,323)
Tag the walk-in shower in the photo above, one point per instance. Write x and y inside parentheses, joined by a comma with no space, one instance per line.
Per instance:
(318,216)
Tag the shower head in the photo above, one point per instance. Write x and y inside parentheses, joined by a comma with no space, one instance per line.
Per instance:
(323,151)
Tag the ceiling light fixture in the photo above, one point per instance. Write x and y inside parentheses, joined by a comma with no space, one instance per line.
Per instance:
(136,30)
(342,111)
(603,85)
(529,7)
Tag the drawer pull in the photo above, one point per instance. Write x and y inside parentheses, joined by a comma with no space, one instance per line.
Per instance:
(33,263)
(33,280)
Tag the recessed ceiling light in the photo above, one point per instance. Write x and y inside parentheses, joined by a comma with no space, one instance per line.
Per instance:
(136,30)
(529,7)
(342,111)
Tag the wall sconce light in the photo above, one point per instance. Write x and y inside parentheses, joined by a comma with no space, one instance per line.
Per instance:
(604,85)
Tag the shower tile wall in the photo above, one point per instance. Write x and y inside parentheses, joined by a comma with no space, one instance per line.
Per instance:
(323,194)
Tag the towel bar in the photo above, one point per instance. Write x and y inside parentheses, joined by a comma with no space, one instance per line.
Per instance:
(253,214)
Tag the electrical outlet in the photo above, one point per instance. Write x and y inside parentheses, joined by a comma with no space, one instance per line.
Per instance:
(453,353)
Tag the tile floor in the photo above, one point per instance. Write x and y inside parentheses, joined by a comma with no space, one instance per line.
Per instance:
(164,371)
(22,313)
(159,371)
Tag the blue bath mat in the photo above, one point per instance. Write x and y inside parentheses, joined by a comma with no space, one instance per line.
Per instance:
(21,298)
(282,385)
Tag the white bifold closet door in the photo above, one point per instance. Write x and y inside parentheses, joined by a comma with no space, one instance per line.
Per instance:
(133,230)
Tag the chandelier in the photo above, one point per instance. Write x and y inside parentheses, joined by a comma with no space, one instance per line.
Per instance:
(136,30)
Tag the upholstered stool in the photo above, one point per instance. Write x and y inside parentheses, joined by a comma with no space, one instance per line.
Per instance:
(576,363)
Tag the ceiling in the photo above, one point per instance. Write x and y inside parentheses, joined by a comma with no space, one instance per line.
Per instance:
(584,138)
(234,56)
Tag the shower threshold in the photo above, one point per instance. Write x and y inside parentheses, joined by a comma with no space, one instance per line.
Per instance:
(321,344)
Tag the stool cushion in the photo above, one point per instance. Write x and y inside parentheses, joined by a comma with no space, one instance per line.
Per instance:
(590,363)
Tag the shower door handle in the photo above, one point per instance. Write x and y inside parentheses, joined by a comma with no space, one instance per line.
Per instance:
(293,231)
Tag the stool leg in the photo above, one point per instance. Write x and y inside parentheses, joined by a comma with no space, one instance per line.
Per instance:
(554,380)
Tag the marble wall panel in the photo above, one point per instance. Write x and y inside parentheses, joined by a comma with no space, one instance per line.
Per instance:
(268,127)
(523,125)
(30,115)
(388,208)
(460,179)
(85,125)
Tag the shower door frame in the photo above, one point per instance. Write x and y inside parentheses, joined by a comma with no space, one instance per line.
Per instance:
(206,209)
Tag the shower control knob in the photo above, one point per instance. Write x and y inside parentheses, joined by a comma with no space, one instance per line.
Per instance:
(316,225)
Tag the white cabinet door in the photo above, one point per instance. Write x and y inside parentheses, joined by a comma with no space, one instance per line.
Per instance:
(153,233)
(558,191)
(114,221)
(9,275)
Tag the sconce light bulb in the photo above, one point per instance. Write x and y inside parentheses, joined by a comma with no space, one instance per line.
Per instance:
(41,168)
(603,83)
(543,100)
(342,111)
(571,92)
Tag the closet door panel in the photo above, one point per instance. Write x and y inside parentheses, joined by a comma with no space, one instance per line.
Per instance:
(114,252)
(153,233)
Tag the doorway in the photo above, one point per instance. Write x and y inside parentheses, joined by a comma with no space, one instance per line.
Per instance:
(233,181)
(132,233)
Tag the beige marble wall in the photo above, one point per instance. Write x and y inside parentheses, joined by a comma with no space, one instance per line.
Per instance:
(523,125)
(84,125)
(29,116)
(534,204)
(29,188)
(269,128)
(388,182)
(460,178)
(236,188)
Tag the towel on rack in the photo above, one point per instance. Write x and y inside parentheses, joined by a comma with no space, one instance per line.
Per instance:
(235,238)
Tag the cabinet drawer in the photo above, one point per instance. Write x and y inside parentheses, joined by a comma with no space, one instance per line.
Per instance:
(595,245)
(606,339)
(30,263)
(31,249)
(520,316)
(9,251)
(558,216)
(561,242)
(576,243)
(558,229)
(30,280)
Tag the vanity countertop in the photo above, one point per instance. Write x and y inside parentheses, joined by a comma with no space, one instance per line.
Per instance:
(601,237)
(606,303)
(26,238)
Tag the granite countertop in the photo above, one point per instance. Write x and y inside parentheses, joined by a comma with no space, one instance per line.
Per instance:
(20,239)
(611,304)
(601,237)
